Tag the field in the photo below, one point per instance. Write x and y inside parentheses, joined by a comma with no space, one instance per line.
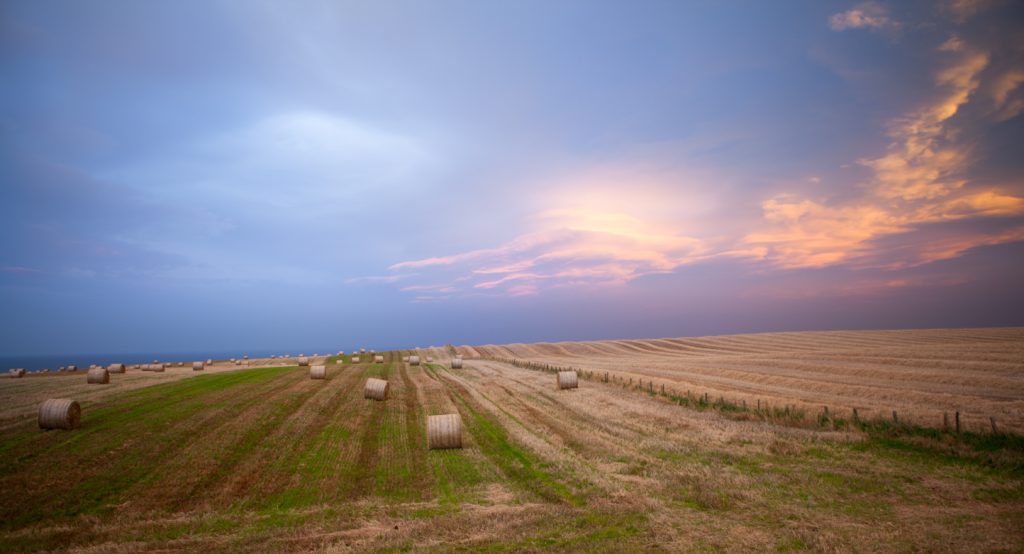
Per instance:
(266,459)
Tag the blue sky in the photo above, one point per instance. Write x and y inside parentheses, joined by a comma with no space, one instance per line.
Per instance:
(218,175)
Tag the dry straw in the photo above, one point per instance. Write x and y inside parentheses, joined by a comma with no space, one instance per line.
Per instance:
(456,363)
(405,359)
(116,368)
(198,366)
(568,380)
(444,431)
(375,389)
(17,372)
(414,360)
(59,413)
(318,372)
(378,359)
(355,359)
(303,360)
(98,376)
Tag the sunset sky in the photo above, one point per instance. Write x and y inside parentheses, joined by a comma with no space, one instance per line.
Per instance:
(300,175)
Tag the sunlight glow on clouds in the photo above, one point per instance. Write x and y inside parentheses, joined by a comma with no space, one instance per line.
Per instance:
(866,15)
(921,180)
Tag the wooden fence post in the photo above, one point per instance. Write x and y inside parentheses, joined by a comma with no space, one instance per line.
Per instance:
(992,420)
(945,421)
(958,422)
(895,418)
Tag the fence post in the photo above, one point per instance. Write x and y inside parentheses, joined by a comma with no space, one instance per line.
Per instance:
(958,422)
(945,421)
(992,420)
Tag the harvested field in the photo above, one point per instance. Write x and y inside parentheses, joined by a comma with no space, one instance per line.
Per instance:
(265,459)
(920,373)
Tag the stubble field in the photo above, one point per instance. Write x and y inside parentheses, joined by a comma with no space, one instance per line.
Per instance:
(266,459)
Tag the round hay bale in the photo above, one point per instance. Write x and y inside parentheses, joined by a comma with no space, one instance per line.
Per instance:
(376,389)
(303,360)
(444,431)
(98,376)
(414,360)
(430,359)
(378,359)
(209,362)
(198,366)
(72,368)
(405,359)
(181,364)
(156,367)
(362,351)
(456,363)
(17,372)
(568,380)
(116,368)
(318,372)
(355,359)
(245,357)
(59,413)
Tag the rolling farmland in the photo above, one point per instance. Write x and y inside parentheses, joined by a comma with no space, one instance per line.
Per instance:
(267,459)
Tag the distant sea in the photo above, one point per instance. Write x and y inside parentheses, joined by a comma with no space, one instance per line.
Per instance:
(54,362)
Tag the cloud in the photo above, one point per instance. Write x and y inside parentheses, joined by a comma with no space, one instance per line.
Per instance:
(1005,92)
(570,247)
(868,15)
(921,180)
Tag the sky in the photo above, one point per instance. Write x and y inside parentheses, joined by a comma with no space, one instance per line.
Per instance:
(189,175)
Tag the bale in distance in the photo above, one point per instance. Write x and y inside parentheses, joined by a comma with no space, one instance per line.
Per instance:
(17,372)
(98,376)
(405,359)
(303,360)
(378,359)
(318,372)
(456,363)
(59,413)
(568,380)
(355,359)
(181,364)
(444,431)
(209,362)
(362,351)
(72,367)
(414,360)
(157,367)
(375,389)
(430,359)
(116,368)
(198,366)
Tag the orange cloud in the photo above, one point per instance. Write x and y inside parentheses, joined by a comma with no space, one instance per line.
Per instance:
(920,180)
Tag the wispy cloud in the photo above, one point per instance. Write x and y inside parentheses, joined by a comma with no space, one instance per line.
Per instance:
(868,15)
(920,180)
(571,247)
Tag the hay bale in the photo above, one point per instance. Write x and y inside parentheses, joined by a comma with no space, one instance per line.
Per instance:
(59,413)
(245,357)
(456,363)
(303,360)
(355,359)
(568,380)
(209,362)
(198,366)
(414,360)
(72,368)
(318,372)
(116,368)
(16,372)
(98,376)
(378,359)
(375,389)
(156,367)
(444,431)
(362,351)
(405,359)
(181,364)
(430,359)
